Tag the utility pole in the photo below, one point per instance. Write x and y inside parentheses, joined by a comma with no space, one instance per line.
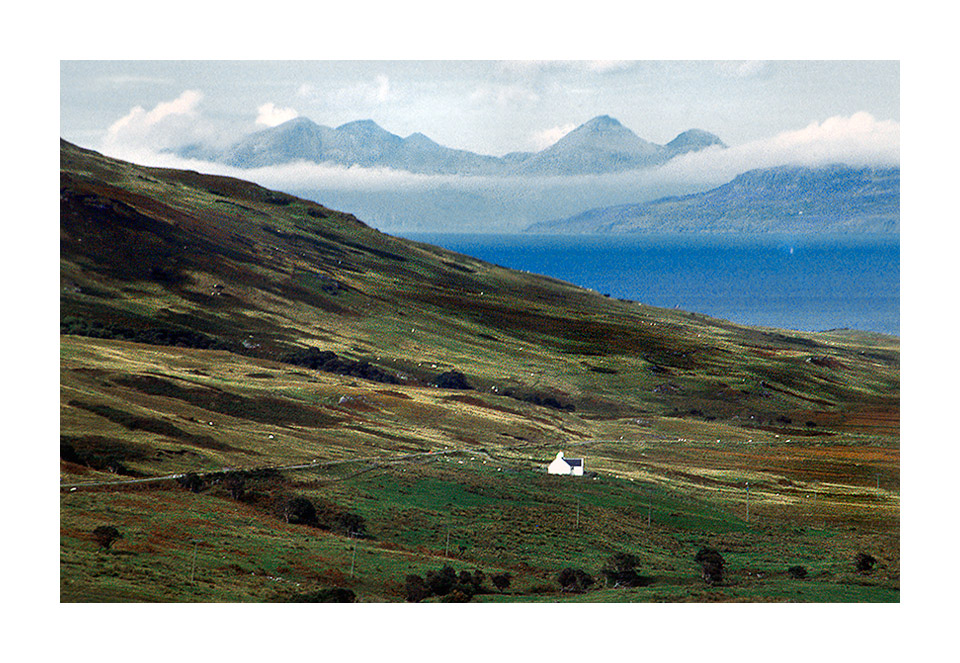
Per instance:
(578,512)
(447,547)
(648,515)
(353,559)
(748,501)
(193,564)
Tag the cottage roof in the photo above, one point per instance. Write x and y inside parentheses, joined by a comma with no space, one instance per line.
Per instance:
(573,462)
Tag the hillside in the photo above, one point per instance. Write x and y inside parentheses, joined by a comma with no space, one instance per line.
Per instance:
(226,349)
(837,198)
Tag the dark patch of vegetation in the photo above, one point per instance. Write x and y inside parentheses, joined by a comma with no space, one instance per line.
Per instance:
(445,583)
(864,562)
(102,453)
(544,400)
(299,511)
(711,565)
(451,380)
(620,570)
(263,409)
(797,572)
(105,535)
(501,581)
(329,595)
(150,425)
(191,481)
(328,362)
(182,338)
(574,580)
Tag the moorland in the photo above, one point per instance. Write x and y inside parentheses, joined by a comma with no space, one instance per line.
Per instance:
(264,399)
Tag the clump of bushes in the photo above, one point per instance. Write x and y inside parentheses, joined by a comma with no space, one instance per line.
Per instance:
(184,338)
(445,583)
(501,581)
(797,572)
(620,570)
(574,580)
(329,362)
(711,565)
(451,380)
(325,515)
(329,595)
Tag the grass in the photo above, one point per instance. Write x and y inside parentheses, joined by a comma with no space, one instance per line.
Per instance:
(674,413)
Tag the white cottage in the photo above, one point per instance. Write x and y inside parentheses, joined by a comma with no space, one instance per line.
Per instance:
(561,465)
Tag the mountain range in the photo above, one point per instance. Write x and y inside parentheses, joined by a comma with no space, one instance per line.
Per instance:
(601,145)
(781,199)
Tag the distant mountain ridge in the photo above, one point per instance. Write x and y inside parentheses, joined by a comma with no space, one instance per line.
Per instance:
(601,145)
(781,199)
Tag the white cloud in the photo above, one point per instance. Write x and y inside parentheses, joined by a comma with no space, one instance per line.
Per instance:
(544,139)
(363,94)
(168,123)
(504,95)
(270,115)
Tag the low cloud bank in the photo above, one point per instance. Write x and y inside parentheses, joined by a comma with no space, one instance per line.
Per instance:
(398,200)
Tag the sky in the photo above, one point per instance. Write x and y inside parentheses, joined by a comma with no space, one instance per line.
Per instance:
(488,106)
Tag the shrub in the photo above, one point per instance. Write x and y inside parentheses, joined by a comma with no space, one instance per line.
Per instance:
(797,572)
(416,589)
(711,564)
(300,511)
(620,571)
(865,562)
(452,380)
(574,580)
(501,581)
(441,582)
(191,481)
(105,535)
(329,595)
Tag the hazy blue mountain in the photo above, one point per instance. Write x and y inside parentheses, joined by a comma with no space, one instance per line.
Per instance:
(782,199)
(602,145)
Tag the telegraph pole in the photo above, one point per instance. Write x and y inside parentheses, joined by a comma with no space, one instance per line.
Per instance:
(353,559)
(748,501)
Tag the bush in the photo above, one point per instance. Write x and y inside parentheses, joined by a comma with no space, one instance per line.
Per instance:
(105,535)
(501,581)
(416,589)
(191,481)
(797,572)
(451,380)
(711,564)
(574,580)
(300,511)
(329,595)
(620,571)
(865,562)
(441,582)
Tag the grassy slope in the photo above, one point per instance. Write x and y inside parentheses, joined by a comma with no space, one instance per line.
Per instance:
(672,410)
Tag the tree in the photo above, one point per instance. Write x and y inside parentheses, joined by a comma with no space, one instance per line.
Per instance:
(711,564)
(501,581)
(620,570)
(300,511)
(105,535)
(235,483)
(441,582)
(416,588)
(574,580)
(329,595)
(191,481)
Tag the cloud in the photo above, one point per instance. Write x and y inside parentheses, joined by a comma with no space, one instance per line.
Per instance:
(544,139)
(856,140)
(168,123)
(504,95)
(361,94)
(270,115)
(390,198)
(741,68)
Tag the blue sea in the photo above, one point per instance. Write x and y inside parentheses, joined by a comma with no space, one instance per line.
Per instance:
(801,282)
